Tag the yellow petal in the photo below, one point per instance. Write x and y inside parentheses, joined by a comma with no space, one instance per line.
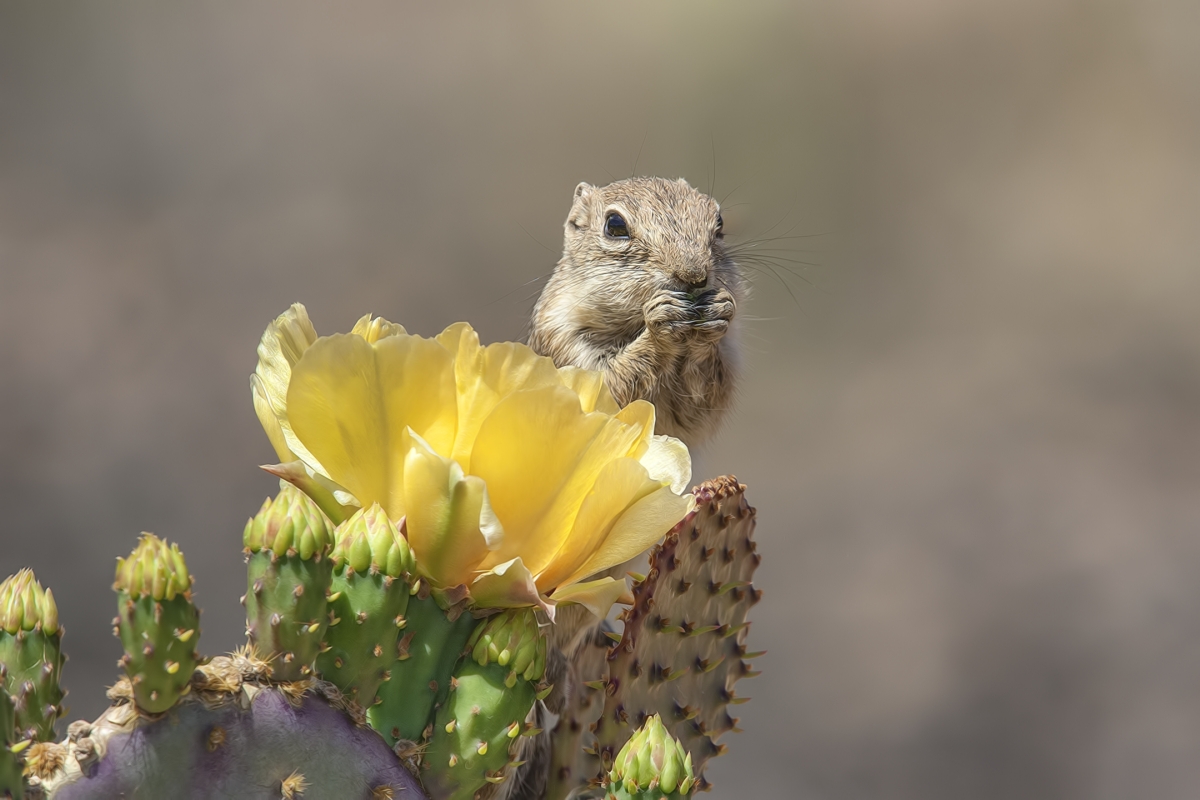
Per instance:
(667,460)
(485,376)
(374,329)
(620,484)
(540,456)
(450,525)
(283,343)
(635,531)
(508,585)
(589,385)
(350,402)
(596,596)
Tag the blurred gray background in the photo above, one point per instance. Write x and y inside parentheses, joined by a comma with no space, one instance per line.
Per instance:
(970,413)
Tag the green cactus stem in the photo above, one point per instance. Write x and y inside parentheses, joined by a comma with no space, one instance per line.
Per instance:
(476,731)
(651,766)
(12,785)
(30,654)
(367,600)
(683,646)
(428,648)
(287,547)
(157,623)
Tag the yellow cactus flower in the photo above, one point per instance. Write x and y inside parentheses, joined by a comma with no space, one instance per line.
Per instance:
(511,478)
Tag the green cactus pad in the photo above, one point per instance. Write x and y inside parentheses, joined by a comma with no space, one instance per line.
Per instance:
(11,783)
(30,654)
(287,544)
(367,600)
(683,646)
(157,623)
(428,649)
(651,766)
(476,730)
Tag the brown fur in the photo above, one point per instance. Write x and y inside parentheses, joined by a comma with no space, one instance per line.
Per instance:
(654,312)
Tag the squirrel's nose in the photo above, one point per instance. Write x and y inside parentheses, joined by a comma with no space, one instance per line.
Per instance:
(694,275)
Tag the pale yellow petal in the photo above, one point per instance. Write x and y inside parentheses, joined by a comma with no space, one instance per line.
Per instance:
(282,344)
(667,460)
(375,328)
(508,585)
(350,402)
(485,376)
(620,484)
(596,596)
(639,528)
(444,517)
(540,455)
(589,385)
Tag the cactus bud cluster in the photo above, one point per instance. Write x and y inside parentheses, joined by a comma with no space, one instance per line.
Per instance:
(368,596)
(286,546)
(30,654)
(157,622)
(651,766)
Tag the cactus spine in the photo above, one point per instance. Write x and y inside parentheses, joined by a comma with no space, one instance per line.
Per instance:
(286,546)
(367,600)
(157,623)
(30,654)
(651,766)
(476,731)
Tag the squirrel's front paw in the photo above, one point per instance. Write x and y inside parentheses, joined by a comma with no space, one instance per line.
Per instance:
(670,316)
(714,309)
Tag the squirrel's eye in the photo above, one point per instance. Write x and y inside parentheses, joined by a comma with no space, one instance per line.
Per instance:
(720,227)
(615,227)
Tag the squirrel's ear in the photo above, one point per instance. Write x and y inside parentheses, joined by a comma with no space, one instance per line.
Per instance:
(579,211)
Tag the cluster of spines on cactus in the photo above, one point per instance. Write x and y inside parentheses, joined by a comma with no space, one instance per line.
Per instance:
(368,598)
(157,623)
(31,656)
(288,570)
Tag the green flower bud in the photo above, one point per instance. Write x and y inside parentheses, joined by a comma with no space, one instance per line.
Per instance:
(511,638)
(25,605)
(154,569)
(369,540)
(652,761)
(290,521)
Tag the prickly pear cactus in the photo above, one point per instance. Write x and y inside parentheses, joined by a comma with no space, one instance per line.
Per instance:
(287,546)
(31,657)
(11,784)
(367,600)
(683,647)
(476,732)
(157,623)
(429,647)
(233,735)
(651,766)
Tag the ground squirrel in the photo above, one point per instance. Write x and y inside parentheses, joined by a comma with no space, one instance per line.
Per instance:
(646,292)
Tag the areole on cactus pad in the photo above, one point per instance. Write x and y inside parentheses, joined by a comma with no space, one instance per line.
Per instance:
(439,500)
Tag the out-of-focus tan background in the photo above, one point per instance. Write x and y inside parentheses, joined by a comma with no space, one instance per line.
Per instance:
(971,422)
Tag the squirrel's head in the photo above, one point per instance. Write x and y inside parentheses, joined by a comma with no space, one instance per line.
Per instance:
(653,231)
